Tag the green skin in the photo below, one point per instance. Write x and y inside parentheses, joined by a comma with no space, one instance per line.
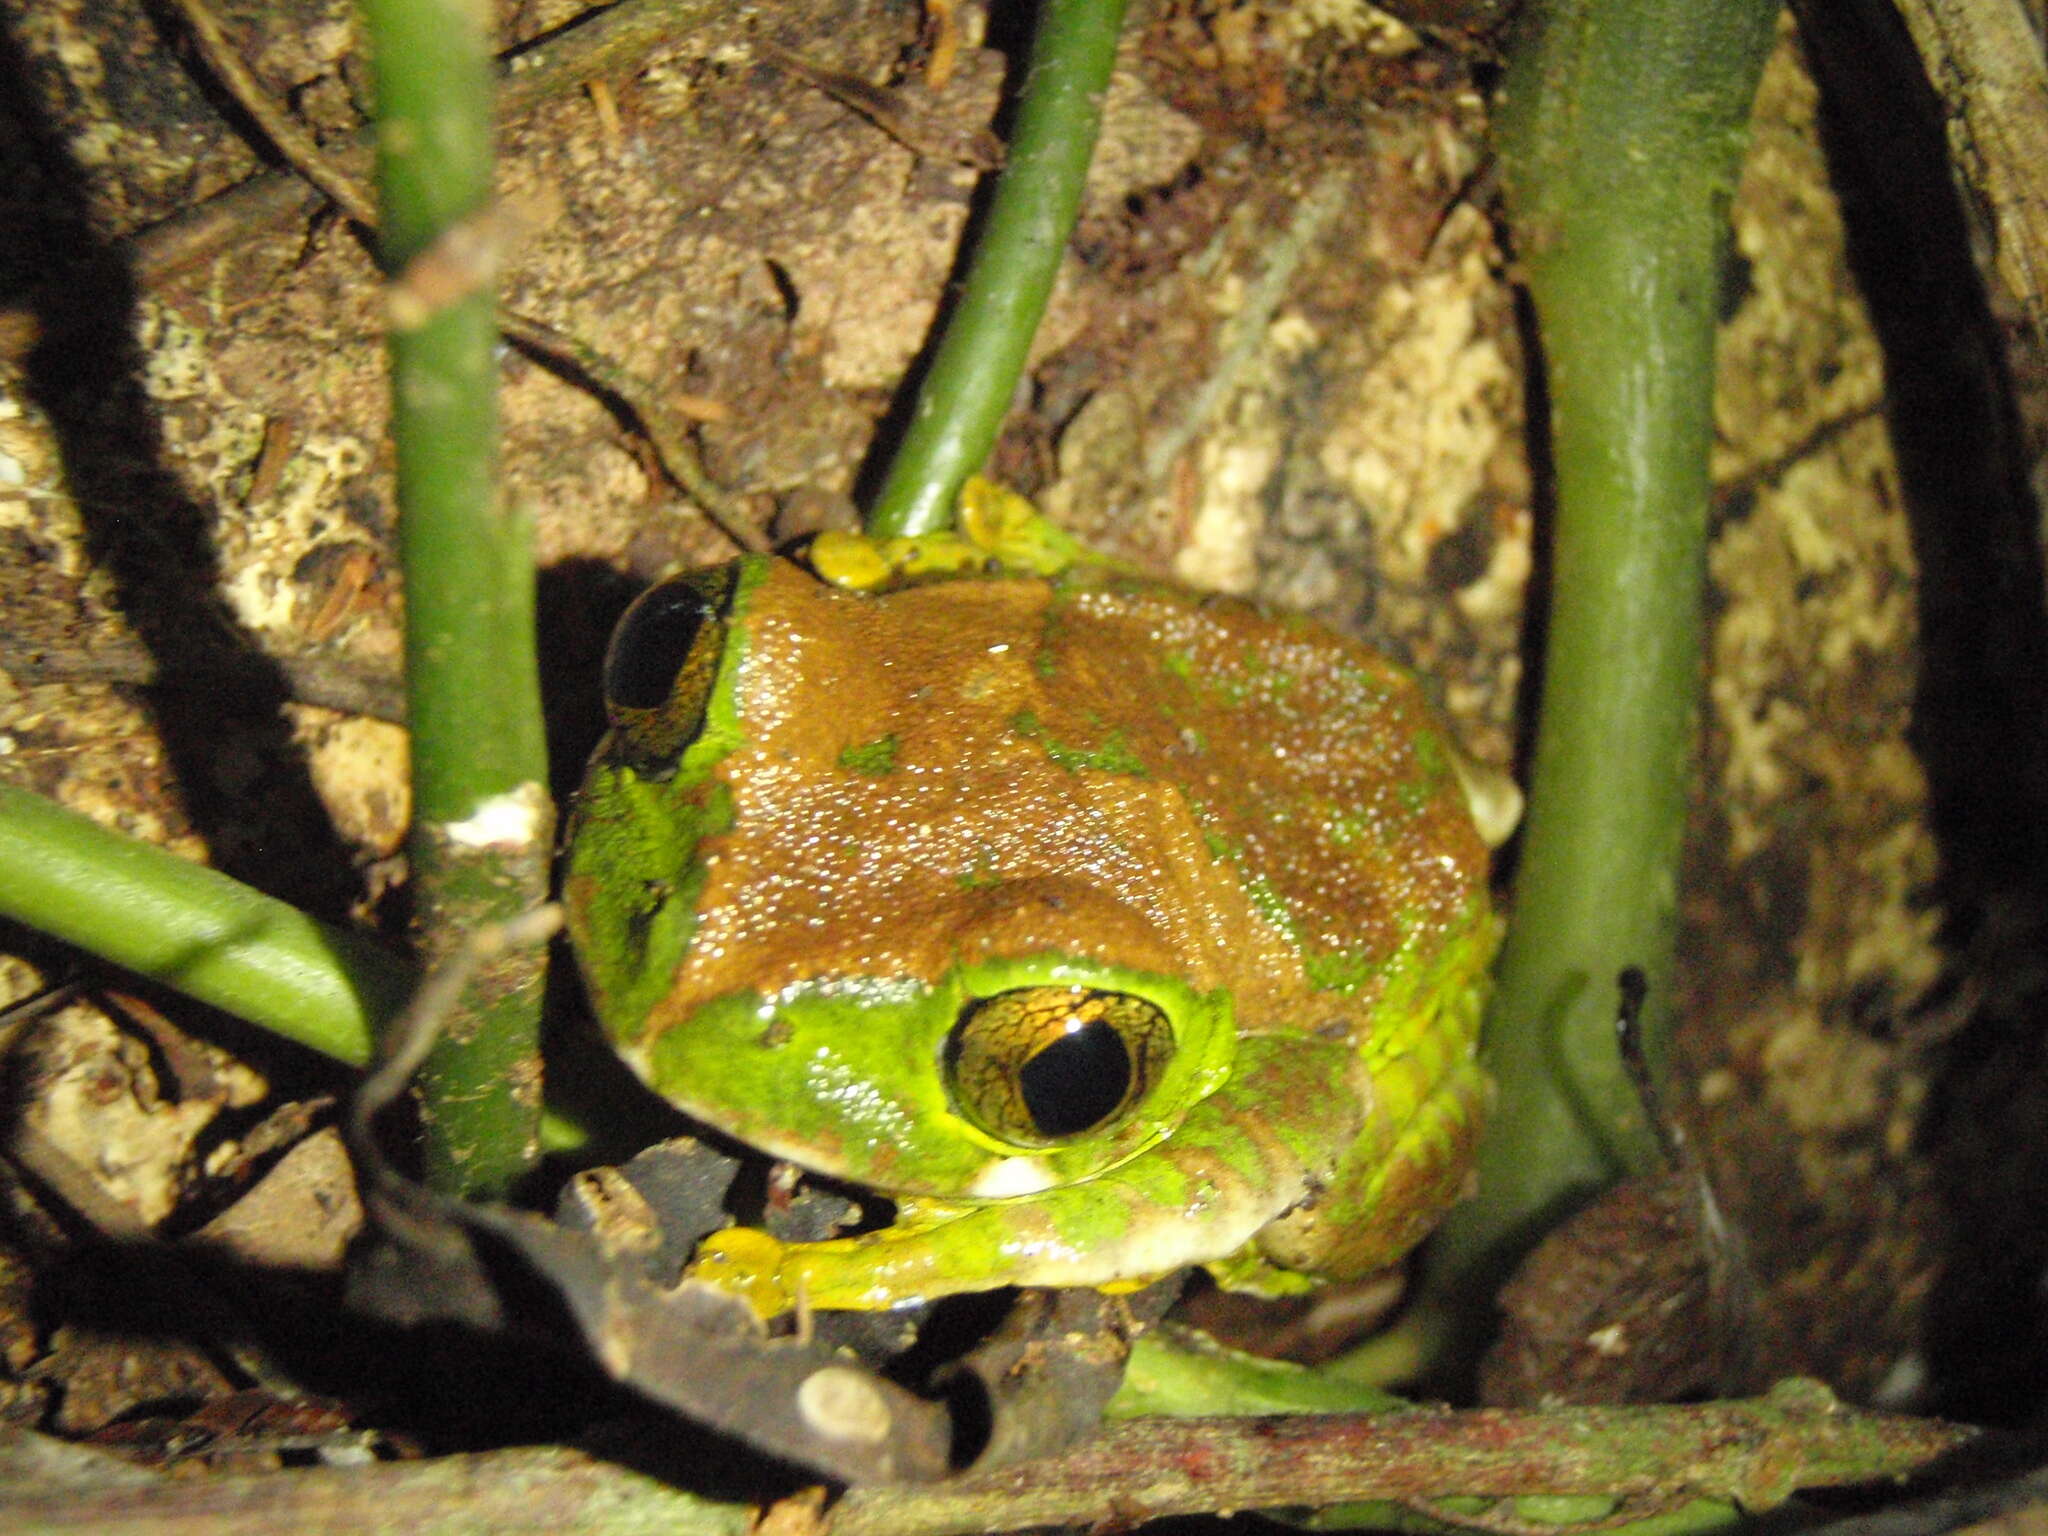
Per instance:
(853,816)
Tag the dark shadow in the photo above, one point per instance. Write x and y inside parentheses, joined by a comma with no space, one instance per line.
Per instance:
(1981,708)
(1507,860)
(243,781)
(439,1387)
(576,603)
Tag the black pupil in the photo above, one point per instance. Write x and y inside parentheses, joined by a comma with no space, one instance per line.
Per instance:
(651,643)
(1076,1082)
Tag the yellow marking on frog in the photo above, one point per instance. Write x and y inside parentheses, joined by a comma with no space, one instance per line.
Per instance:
(999,531)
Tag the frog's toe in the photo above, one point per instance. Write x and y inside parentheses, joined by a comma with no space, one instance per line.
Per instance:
(744,1262)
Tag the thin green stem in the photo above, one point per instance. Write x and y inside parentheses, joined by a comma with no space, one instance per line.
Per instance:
(974,373)
(482,822)
(1621,135)
(194,928)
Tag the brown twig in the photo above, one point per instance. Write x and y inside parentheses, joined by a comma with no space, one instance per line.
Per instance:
(663,431)
(901,114)
(602,40)
(1755,1452)
(291,141)
(49,1486)
(329,682)
(565,356)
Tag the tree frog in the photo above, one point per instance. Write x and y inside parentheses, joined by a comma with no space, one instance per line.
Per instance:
(1104,927)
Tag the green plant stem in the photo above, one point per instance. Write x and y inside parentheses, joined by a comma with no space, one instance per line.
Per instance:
(962,401)
(194,929)
(482,822)
(207,935)
(1621,133)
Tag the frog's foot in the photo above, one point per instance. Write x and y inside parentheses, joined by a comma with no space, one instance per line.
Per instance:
(977,1248)
(997,531)
(1238,1160)
(747,1263)
(927,1253)
(946,1250)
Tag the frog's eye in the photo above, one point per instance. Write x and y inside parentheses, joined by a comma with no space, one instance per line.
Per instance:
(1043,1064)
(661,663)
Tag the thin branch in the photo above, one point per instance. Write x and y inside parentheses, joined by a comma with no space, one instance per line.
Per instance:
(285,135)
(895,113)
(331,682)
(663,430)
(567,357)
(1755,1453)
(961,404)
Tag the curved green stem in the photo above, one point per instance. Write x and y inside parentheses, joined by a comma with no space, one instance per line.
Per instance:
(482,822)
(1621,134)
(194,929)
(207,935)
(963,399)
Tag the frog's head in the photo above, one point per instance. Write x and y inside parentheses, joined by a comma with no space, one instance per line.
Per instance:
(835,894)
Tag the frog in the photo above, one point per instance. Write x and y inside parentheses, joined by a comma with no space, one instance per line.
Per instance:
(1102,927)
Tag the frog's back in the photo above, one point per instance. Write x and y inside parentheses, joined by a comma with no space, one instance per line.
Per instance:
(1170,781)
(1314,765)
